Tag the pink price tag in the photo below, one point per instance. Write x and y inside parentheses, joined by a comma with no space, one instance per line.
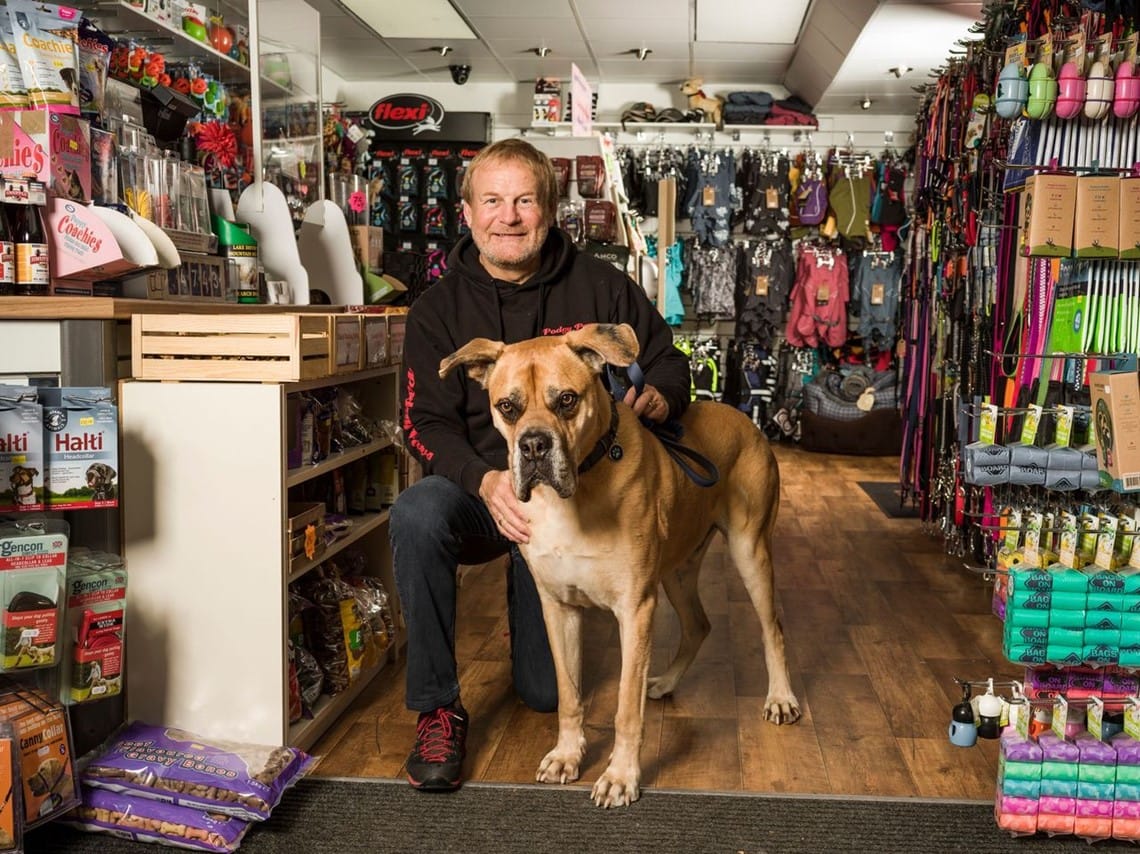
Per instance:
(356,202)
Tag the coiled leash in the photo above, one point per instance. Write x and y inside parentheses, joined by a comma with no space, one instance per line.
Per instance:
(697,467)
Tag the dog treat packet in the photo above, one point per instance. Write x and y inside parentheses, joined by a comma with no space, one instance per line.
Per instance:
(168,764)
(332,628)
(46,36)
(13,92)
(44,751)
(11,828)
(94,48)
(145,820)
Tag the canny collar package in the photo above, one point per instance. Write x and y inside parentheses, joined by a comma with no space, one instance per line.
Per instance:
(81,448)
(21,450)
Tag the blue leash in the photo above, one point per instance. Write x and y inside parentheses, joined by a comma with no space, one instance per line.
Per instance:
(669,433)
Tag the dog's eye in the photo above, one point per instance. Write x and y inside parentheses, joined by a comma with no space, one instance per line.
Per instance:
(567,400)
(505,406)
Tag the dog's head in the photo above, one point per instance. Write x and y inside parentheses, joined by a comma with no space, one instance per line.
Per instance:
(547,399)
(22,476)
(692,86)
(100,476)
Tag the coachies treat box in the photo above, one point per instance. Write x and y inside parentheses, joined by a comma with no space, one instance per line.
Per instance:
(81,448)
(21,450)
(89,243)
(48,147)
(32,562)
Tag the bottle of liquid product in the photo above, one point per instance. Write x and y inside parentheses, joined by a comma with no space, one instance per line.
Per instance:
(7,258)
(32,272)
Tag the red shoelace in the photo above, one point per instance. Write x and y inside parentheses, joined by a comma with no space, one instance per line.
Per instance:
(434,736)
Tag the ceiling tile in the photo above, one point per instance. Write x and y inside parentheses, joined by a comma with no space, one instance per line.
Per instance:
(744,52)
(611,49)
(662,10)
(636,30)
(514,8)
(562,43)
(518,28)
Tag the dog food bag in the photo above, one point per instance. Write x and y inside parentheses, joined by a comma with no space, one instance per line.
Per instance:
(21,450)
(146,820)
(13,92)
(167,764)
(46,36)
(96,600)
(44,746)
(32,560)
(81,448)
(11,827)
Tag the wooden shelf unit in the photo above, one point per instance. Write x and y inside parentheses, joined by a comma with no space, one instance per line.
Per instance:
(206,491)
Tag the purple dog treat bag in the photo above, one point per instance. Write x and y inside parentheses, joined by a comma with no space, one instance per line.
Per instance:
(168,764)
(143,820)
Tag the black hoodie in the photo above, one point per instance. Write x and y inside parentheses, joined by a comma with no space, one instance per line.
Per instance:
(447,423)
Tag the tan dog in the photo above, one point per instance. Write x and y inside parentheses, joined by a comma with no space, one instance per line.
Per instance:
(698,100)
(606,536)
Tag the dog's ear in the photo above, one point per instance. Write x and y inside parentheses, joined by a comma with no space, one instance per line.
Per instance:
(599,344)
(478,355)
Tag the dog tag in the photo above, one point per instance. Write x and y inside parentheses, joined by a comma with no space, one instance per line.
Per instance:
(822,295)
(772,198)
(616,452)
(708,197)
(878,294)
(761,286)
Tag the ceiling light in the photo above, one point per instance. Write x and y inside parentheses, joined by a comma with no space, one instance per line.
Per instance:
(865,103)
(900,70)
(424,19)
(542,50)
(442,49)
(643,53)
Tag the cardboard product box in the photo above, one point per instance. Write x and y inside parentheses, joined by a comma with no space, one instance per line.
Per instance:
(1049,208)
(547,101)
(1129,241)
(1115,403)
(21,450)
(81,245)
(1097,230)
(397,327)
(53,148)
(81,448)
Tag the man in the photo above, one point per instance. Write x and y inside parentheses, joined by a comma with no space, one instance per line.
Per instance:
(514,277)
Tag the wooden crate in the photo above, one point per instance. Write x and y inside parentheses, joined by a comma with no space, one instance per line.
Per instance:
(266,348)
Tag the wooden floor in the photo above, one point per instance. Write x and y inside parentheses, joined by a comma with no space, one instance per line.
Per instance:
(878,623)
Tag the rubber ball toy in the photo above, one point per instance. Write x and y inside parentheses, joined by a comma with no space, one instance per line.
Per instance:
(1012,91)
(222,38)
(1042,91)
(1070,92)
(1126,99)
(1099,90)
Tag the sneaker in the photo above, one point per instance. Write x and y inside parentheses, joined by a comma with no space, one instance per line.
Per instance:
(436,761)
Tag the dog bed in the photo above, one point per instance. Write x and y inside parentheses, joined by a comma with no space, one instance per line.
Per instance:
(876,434)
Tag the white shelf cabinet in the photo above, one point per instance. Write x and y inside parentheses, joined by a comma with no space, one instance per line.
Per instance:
(206,491)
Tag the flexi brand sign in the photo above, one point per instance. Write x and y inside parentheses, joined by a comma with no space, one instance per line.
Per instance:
(407,112)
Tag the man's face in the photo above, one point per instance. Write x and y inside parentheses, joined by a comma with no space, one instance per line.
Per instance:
(507,222)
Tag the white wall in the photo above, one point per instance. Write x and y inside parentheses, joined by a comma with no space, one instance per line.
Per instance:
(510,106)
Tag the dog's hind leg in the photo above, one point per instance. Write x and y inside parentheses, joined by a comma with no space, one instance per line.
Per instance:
(752,554)
(564,629)
(681,588)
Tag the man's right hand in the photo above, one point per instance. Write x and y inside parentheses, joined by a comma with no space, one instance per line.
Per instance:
(508,512)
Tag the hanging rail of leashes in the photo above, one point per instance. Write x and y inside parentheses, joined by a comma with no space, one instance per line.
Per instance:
(1048,698)
(1083,356)
(1057,167)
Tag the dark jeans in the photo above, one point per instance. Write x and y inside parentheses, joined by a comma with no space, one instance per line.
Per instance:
(436,526)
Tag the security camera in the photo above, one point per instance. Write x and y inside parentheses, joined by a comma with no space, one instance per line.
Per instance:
(460,73)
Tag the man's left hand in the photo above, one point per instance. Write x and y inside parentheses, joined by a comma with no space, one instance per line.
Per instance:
(650,404)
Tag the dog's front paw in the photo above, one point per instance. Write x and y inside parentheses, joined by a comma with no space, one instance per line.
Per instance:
(615,789)
(559,766)
(782,709)
(659,686)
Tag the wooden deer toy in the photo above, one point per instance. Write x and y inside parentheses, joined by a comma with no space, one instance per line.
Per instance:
(698,100)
